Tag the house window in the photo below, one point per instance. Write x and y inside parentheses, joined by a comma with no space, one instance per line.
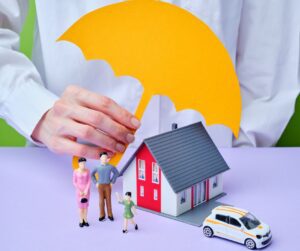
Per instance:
(215,181)
(141,168)
(155,194)
(142,191)
(155,173)
(183,197)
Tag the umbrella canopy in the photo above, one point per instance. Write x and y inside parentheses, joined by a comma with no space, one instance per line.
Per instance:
(169,50)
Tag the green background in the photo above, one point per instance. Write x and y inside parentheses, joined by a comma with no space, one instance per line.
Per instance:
(9,137)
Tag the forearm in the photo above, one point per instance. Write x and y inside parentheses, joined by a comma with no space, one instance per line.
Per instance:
(87,186)
(133,210)
(119,198)
(23,99)
(115,175)
(94,180)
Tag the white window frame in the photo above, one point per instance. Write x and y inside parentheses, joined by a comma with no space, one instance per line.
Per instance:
(141,169)
(155,171)
(142,191)
(155,194)
(183,196)
(215,181)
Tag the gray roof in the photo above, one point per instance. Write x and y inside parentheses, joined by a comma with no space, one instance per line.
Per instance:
(186,156)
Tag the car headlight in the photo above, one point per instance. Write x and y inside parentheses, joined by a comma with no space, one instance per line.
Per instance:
(258,236)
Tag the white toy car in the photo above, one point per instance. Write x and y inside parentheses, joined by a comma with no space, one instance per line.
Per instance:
(237,225)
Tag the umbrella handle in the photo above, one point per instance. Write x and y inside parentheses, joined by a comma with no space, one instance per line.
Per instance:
(75,162)
(145,99)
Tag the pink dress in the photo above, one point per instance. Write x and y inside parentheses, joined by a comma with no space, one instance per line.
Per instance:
(82,183)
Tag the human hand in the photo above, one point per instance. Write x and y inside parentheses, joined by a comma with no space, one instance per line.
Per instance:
(119,198)
(81,114)
(97,185)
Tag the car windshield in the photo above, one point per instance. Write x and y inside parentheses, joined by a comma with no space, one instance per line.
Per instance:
(250,221)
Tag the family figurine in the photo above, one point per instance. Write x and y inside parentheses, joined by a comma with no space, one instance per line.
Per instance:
(107,175)
(82,183)
(103,177)
(129,211)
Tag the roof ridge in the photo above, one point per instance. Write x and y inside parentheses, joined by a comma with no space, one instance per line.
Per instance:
(172,131)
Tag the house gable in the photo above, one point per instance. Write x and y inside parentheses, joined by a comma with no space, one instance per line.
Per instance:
(148,180)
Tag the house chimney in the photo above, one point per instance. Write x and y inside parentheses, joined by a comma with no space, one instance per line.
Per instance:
(174,126)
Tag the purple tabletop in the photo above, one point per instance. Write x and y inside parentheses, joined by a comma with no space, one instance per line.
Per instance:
(39,211)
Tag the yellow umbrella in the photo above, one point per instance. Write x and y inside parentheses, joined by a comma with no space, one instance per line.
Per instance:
(169,50)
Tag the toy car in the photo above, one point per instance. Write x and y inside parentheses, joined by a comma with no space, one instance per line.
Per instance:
(237,225)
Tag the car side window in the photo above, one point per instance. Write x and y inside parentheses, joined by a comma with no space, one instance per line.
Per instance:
(234,222)
(221,217)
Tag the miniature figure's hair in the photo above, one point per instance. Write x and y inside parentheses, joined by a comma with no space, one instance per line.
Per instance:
(128,194)
(82,160)
(103,153)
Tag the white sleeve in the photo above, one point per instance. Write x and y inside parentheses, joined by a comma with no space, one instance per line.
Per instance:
(268,69)
(23,98)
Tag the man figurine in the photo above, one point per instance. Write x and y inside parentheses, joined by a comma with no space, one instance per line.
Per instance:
(103,183)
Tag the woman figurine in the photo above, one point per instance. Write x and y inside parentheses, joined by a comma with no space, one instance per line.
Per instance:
(129,211)
(82,183)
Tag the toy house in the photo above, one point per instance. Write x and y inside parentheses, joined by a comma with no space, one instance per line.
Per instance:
(175,171)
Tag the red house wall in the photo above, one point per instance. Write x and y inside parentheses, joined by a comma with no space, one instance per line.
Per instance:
(148,200)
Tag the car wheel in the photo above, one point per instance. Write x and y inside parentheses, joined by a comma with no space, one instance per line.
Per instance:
(250,244)
(208,232)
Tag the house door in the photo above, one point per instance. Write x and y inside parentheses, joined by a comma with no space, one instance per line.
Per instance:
(198,193)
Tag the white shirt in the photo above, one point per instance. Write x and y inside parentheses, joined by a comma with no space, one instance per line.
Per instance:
(262,38)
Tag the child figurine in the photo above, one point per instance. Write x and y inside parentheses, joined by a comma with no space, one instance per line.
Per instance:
(129,211)
(82,183)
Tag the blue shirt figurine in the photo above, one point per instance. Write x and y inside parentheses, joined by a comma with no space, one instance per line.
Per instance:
(107,174)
